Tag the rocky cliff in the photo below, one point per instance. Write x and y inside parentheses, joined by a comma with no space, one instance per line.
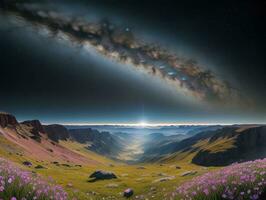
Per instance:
(7,119)
(56,132)
(36,125)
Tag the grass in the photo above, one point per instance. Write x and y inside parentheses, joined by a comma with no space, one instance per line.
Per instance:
(219,145)
(74,178)
(141,180)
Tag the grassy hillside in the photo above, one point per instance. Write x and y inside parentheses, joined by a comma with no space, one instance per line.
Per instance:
(220,147)
(149,181)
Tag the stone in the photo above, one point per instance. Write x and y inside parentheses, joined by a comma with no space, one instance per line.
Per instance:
(27,163)
(69,185)
(39,167)
(128,193)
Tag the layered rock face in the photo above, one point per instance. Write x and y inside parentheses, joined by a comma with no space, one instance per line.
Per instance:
(35,124)
(7,119)
(56,132)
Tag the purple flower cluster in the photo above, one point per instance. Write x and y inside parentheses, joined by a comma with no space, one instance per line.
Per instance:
(237,182)
(16,184)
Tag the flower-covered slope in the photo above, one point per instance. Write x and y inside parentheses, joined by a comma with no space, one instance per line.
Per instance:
(17,184)
(237,182)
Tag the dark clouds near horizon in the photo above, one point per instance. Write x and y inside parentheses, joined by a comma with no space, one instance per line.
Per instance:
(53,82)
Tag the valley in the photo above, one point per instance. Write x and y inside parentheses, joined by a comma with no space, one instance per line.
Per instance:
(152,164)
(133,150)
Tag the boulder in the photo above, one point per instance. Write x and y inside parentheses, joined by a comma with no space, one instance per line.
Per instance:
(128,193)
(27,163)
(102,175)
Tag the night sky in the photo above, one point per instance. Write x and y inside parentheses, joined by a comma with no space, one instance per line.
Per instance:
(59,74)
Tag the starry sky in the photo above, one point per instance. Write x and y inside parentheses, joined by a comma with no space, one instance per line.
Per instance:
(129,61)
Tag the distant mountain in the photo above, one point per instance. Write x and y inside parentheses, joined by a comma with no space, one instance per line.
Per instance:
(155,140)
(166,130)
(218,147)
(203,128)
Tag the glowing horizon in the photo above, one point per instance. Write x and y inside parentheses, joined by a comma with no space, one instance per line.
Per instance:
(152,124)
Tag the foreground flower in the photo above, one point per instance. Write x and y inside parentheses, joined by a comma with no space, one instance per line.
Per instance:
(16,184)
(238,182)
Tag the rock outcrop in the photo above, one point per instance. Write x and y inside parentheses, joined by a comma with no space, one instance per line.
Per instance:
(56,132)
(35,129)
(7,119)
(35,124)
